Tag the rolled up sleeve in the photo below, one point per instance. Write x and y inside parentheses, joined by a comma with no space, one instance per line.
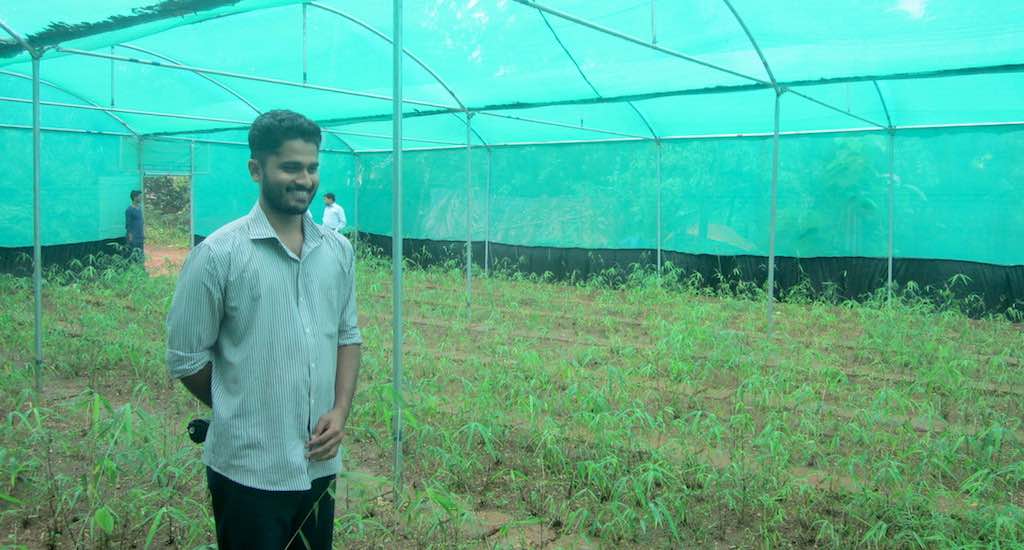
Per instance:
(348,324)
(193,322)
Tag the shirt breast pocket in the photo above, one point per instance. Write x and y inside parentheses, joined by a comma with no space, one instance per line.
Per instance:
(243,295)
(329,286)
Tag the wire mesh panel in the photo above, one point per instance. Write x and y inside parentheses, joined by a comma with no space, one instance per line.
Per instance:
(85,186)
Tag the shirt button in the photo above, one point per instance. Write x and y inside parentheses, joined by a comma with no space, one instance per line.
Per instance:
(307,331)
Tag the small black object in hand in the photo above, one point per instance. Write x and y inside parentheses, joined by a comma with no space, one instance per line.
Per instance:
(197,429)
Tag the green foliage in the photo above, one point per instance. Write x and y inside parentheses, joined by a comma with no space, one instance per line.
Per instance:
(630,411)
(167,210)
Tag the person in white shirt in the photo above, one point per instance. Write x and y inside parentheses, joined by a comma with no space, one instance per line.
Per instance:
(334,214)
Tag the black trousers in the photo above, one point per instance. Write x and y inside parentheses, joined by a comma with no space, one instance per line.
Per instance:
(253,519)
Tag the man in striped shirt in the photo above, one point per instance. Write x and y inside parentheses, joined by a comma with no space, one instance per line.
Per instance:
(262,328)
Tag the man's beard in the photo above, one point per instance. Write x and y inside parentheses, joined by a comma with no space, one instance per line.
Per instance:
(277,199)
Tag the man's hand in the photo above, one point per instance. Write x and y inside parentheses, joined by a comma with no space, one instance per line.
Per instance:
(326,436)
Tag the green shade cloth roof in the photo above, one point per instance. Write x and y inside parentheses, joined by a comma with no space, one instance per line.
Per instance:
(503,54)
(536,74)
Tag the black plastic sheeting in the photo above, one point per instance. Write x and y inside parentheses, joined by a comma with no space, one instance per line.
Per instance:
(18,261)
(1000,287)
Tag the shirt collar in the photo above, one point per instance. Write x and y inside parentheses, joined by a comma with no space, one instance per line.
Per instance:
(260,228)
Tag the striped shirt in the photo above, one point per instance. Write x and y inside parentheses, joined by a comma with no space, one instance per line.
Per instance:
(271,324)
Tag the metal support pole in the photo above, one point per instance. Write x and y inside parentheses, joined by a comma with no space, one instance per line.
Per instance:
(112,88)
(654,26)
(141,167)
(396,241)
(37,249)
(191,194)
(658,216)
(772,218)
(355,200)
(305,44)
(469,213)
(892,208)
(487,217)
(892,137)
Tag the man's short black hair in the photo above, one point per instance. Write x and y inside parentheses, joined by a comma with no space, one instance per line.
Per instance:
(273,128)
(329,196)
(135,193)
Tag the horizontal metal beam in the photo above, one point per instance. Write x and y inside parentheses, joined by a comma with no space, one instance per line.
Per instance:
(857,130)
(452,145)
(388,137)
(213,141)
(637,41)
(181,116)
(126,134)
(510,117)
(66,130)
(564,142)
(561,125)
(513,144)
(74,95)
(242,76)
(482,113)
(993,69)
(713,90)
(123,110)
(957,125)
(832,108)
(216,82)
(238,143)
(206,77)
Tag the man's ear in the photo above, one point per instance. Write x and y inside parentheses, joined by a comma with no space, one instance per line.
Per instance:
(255,170)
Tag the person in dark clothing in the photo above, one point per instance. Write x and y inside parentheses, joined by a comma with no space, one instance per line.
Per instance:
(133,227)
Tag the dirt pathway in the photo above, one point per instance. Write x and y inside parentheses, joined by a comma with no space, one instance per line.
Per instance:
(164,260)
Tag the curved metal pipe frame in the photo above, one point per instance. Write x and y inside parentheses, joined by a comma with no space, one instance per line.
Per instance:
(76,96)
(423,65)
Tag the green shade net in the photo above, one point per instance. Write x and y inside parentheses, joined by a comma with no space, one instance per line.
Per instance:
(539,78)
(86,178)
(85,186)
(953,193)
(491,54)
